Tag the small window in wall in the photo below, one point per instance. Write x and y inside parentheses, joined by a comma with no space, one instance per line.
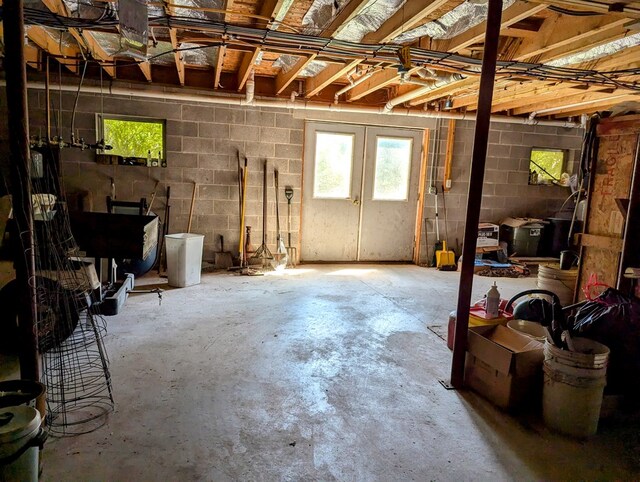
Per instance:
(546,165)
(393,163)
(132,137)
(334,160)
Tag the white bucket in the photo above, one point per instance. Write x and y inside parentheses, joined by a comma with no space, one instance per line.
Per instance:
(573,387)
(560,282)
(19,426)
(184,258)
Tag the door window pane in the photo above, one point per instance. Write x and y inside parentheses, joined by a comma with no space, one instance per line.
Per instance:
(334,157)
(393,164)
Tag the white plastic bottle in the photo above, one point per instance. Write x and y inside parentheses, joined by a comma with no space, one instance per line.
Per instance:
(493,302)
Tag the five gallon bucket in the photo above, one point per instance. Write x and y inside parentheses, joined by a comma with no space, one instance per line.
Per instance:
(20,436)
(559,281)
(574,382)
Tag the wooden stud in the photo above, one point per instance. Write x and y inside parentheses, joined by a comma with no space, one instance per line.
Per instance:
(574,33)
(421,193)
(222,50)
(328,75)
(283,79)
(46,42)
(377,81)
(512,15)
(246,65)
(346,13)
(407,17)
(85,39)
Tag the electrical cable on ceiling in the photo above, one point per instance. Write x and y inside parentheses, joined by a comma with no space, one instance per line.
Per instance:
(341,50)
(573,13)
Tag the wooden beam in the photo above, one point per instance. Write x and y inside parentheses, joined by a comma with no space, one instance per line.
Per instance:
(222,50)
(328,75)
(145,67)
(32,56)
(85,39)
(407,17)
(589,105)
(563,97)
(40,37)
(346,13)
(449,89)
(626,9)
(283,79)
(377,81)
(513,14)
(573,33)
(177,55)
(519,32)
(248,59)
(269,8)
(228,6)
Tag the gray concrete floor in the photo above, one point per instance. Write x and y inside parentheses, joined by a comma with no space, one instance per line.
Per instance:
(323,373)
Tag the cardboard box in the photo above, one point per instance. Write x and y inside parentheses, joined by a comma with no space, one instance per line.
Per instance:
(504,366)
(488,235)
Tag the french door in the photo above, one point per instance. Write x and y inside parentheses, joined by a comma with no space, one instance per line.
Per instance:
(360,193)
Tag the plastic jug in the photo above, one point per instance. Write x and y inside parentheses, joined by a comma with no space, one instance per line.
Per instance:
(493,302)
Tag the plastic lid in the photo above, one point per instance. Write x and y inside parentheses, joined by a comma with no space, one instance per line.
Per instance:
(17,422)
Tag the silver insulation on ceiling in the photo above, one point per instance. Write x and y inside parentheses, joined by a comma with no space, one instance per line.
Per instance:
(196,5)
(459,20)
(370,18)
(598,52)
(286,63)
(322,12)
(193,55)
(161,54)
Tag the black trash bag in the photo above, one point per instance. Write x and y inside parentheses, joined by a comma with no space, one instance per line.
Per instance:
(613,319)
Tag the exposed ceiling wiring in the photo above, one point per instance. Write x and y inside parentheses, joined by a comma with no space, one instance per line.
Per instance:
(228,34)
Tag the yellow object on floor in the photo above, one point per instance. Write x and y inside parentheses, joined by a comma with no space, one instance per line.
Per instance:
(444,257)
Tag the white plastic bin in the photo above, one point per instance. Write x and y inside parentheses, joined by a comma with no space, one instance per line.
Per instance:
(184,258)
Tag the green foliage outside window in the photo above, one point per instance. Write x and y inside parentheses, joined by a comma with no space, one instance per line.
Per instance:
(131,138)
(548,164)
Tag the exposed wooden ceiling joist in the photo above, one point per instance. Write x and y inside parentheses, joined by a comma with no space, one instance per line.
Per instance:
(283,79)
(346,13)
(568,98)
(327,76)
(609,7)
(407,17)
(269,8)
(450,89)
(65,55)
(567,33)
(85,39)
(512,15)
(589,105)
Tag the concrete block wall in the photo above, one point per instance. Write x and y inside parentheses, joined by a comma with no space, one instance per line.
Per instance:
(203,139)
(202,142)
(506,189)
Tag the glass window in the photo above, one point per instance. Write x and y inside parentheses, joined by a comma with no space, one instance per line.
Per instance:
(333,163)
(546,165)
(130,137)
(393,165)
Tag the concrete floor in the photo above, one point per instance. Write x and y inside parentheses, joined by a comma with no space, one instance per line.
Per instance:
(323,373)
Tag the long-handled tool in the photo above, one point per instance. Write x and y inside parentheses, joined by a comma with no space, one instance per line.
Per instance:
(165,231)
(263,253)
(445,259)
(193,203)
(292,251)
(280,256)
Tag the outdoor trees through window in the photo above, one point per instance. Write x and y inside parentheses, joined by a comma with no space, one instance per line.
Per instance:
(546,165)
(134,137)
